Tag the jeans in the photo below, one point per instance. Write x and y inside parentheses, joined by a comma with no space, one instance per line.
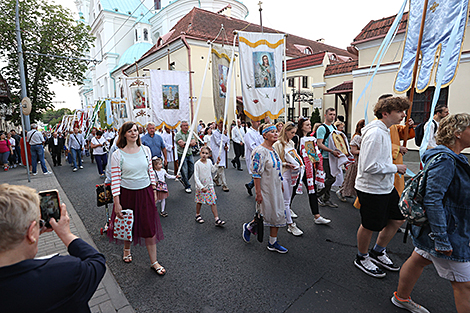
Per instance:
(251,184)
(238,148)
(76,155)
(18,154)
(4,157)
(101,162)
(37,151)
(187,170)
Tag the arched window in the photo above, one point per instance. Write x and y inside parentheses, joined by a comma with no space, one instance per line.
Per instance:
(308,51)
(136,36)
(146,34)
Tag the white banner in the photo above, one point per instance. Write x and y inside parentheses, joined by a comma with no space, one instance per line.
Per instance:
(170,97)
(261,56)
(136,95)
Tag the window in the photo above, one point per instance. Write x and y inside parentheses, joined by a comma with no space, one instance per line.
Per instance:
(305,82)
(308,51)
(422,103)
(290,114)
(305,112)
(146,34)
(157,4)
(136,36)
(290,82)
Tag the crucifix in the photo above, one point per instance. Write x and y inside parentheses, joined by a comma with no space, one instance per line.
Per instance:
(260,15)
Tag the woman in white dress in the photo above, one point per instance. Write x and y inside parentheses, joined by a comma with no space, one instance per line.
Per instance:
(266,168)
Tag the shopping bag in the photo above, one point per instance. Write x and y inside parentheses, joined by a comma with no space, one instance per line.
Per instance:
(122,228)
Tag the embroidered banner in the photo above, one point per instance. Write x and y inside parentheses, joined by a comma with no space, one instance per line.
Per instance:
(441,16)
(136,95)
(170,97)
(261,56)
(220,69)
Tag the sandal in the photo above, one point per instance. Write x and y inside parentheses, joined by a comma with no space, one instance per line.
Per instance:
(159,270)
(199,219)
(127,258)
(163,214)
(219,223)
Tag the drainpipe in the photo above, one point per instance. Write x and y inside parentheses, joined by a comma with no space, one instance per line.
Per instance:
(114,83)
(183,38)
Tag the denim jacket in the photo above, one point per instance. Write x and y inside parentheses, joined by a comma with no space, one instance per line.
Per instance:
(447,204)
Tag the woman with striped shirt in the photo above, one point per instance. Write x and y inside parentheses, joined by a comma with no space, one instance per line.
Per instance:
(133,187)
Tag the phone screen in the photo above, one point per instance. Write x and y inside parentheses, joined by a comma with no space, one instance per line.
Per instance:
(50,205)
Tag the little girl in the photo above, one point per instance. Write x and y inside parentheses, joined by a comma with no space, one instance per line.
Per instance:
(205,193)
(162,188)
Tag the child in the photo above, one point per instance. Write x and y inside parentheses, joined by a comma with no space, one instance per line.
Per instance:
(162,188)
(205,192)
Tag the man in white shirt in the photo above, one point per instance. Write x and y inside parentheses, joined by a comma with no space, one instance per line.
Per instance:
(440,112)
(375,188)
(36,141)
(216,139)
(252,140)
(237,137)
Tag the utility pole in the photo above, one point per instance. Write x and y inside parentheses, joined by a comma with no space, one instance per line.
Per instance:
(260,15)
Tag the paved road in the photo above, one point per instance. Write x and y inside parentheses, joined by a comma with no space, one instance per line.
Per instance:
(212,270)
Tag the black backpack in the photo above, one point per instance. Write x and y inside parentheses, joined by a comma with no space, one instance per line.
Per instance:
(419,132)
(327,133)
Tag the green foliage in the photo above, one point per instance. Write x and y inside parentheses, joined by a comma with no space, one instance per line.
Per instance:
(315,118)
(46,28)
(53,117)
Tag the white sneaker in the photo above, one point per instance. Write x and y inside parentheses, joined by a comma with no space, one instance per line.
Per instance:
(409,305)
(322,220)
(188,190)
(294,230)
(81,167)
(48,173)
(292,214)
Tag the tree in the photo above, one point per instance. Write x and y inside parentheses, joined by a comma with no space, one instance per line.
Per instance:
(53,117)
(315,118)
(47,29)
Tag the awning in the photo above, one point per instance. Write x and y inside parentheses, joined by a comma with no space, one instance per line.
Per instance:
(344,87)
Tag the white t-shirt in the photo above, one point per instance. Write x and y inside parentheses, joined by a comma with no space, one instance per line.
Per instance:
(99,150)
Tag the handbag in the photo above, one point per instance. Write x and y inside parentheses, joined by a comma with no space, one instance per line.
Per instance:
(122,228)
(258,224)
(161,186)
(103,198)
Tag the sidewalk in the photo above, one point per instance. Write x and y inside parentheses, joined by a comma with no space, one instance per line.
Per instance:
(109,296)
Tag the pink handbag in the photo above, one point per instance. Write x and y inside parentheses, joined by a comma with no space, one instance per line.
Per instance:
(123,226)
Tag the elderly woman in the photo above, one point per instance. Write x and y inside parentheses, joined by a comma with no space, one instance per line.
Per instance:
(444,240)
(134,187)
(100,148)
(53,284)
(266,168)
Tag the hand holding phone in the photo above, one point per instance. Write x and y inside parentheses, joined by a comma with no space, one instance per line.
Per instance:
(50,205)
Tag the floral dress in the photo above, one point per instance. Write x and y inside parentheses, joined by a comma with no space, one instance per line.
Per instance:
(350,177)
(266,165)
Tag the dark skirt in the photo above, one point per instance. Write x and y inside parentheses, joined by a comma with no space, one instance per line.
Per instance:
(146,218)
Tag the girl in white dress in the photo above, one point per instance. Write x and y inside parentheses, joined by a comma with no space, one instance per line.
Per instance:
(205,193)
(162,188)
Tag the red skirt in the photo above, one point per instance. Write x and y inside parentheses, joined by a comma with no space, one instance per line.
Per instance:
(146,218)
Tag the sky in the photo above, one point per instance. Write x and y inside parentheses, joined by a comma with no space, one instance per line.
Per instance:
(335,21)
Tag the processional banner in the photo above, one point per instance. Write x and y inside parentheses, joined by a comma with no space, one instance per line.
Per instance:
(170,97)
(120,115)
(136,95)
(261,56)
(220,70)
(440,18)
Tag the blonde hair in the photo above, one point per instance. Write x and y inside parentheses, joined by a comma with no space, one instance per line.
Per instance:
(282,135)
(338,123)
(19,206)
(449,125)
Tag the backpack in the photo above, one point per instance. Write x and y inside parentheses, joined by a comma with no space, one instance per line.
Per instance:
(419,132)
(327,132)
(411,200)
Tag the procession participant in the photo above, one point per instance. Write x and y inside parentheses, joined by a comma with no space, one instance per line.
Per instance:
(237,138)
(5,150)
(279,126)
(17,146)
(36,141)
(322,134)
(52,284)
(284,144)
(374,185)
(252,140)
(100,147)
(266,169)
(154,142)
(216,139)
(162,188)
(12,157)
(56,145)
(200,126)
(440,112)
(91,135)
(169,146)
(446,203)
(304,128)
(187,169)
(76,144)
(134,187)
(207,136)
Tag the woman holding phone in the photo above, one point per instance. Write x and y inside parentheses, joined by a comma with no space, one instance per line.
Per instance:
(51,284)
(134,187)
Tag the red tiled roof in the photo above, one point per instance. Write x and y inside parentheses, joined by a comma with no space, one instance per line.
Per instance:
(340,68)
(205,25)
(379,28)
(341,88)
(305,61)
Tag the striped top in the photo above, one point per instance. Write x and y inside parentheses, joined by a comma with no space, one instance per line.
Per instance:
(122,176)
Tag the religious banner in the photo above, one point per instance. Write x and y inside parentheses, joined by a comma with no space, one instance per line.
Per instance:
(220,69)
(136,95)
(440,19)
(261,56)
(170,97)
(109,112)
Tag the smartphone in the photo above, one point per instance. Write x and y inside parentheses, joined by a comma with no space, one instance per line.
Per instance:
(50,205)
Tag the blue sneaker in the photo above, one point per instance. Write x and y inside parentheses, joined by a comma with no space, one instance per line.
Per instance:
(277,247)
(246,233)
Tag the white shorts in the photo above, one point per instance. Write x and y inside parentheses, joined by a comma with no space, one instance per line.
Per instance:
(448,269)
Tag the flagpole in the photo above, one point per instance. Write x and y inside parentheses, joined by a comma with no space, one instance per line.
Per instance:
(415,70)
